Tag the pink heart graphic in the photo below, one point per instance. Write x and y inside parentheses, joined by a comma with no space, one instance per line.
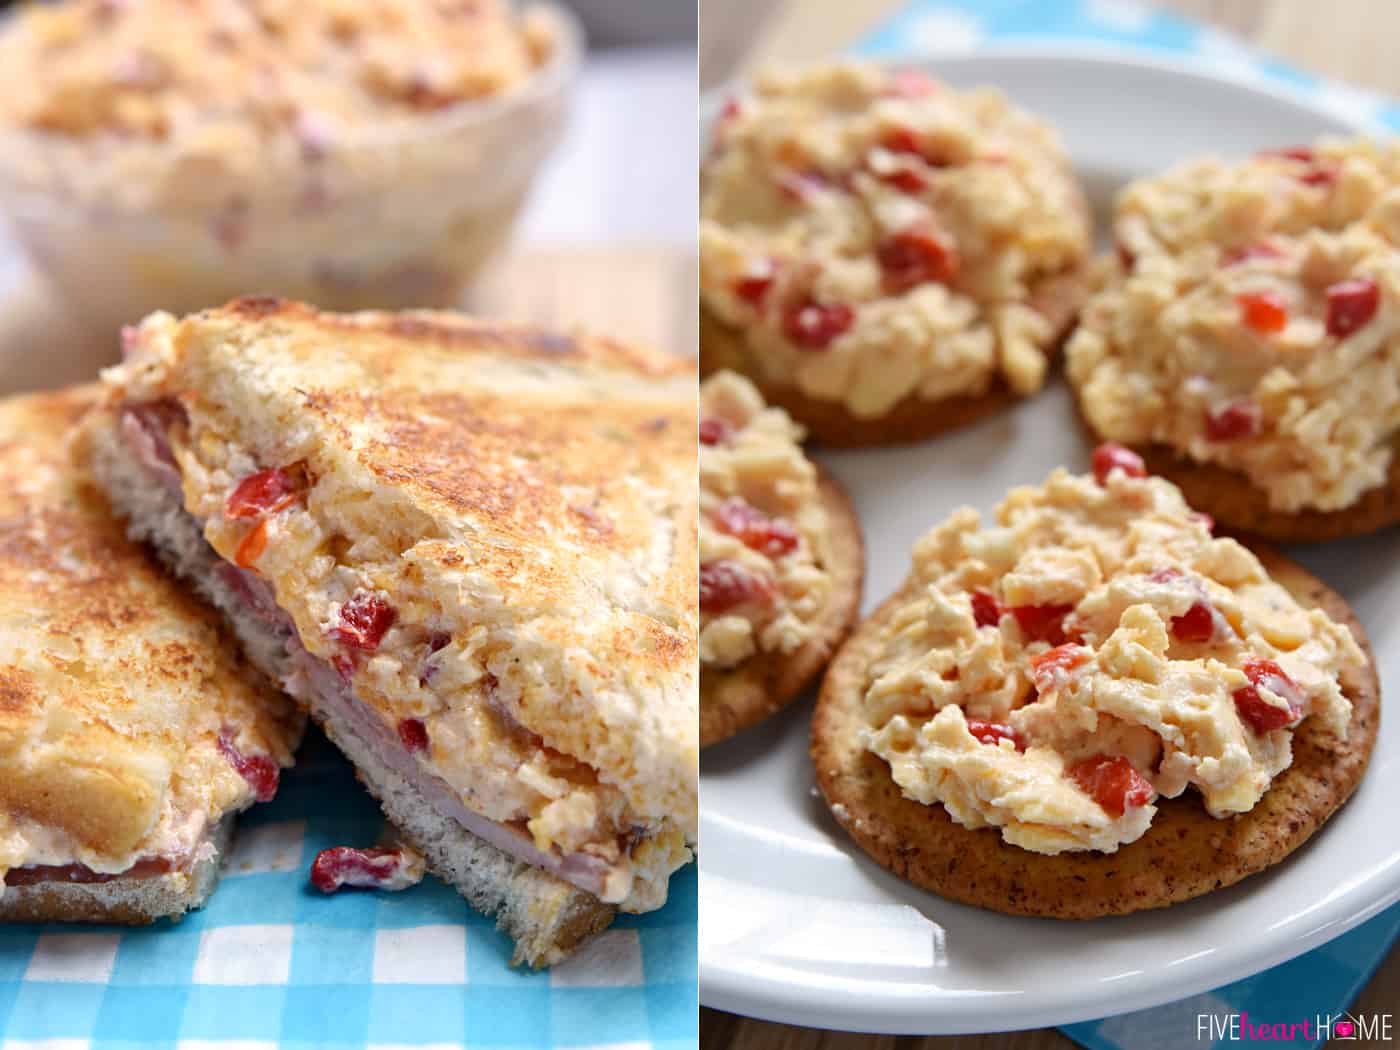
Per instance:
(1345,1028)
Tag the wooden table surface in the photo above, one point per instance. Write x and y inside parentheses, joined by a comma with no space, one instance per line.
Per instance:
(644,293)
(1350,39)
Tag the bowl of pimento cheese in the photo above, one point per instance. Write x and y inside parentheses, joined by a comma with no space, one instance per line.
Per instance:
(173,153)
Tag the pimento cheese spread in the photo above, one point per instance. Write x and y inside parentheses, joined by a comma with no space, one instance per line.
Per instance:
(876,235)
(1092,650)
(763,528)
(1251,320)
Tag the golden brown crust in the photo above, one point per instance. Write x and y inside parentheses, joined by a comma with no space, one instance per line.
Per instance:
(1239,505)
(913,418)
(532,489)
(1184,854)
(115,682)
(535,458)
(449,331)
(575,926)
(732,700)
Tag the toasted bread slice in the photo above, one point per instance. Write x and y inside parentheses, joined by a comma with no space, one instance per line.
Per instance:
(476,567)
(131,730)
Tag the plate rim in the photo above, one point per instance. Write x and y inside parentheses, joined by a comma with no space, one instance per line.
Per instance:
(1088,52)
(725,989)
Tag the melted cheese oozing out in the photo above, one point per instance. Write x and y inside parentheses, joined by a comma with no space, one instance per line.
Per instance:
(1126,560)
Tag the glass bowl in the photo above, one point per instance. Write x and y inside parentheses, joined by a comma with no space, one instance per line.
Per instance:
(392,216)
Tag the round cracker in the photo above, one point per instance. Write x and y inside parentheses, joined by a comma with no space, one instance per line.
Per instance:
(1239,505)
(734,699)
(1184,854)
(913,418)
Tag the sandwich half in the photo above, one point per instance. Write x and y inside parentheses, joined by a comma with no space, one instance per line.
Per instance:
(132,731)
(469,549)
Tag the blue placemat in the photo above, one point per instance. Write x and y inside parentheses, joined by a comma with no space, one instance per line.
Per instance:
(958,26)
(1316,987)
(271,962)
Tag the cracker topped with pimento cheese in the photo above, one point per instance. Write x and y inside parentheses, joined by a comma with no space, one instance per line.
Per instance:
(764,577)
(874,235)
(1090,652)
(1250,322)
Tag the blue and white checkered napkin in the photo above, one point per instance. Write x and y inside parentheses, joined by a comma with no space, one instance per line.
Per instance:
(959,26)
(271,962)
(1322,982)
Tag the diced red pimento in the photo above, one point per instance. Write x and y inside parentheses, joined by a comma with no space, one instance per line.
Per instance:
(1233,421)
(413,734)
(265,492)
(904,179)
(994,732)
(1323,173)
(915,256)
(1061,660)
(259,771)
(1196,624)
(752,286)
(1258,250)
(1318,173)
(756,530)
(1265,312)
(1042,623)
(251,547)
(986,610)
(715,431)
(1258,713)
(1112,782)
(364,621)
(902,140)
(1301,153)
(1111,456)
(726,585)
(1351,305)
(1204,518)
(910,83)
(130,340)
(813,326)
(373,868)
(731,110)
(798,186)
(437,641)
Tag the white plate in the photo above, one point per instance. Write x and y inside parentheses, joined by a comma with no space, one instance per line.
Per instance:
(799,926)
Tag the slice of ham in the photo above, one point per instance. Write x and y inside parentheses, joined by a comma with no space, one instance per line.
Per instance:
(256,594)
(320,685)
(145,425)
(145,868)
